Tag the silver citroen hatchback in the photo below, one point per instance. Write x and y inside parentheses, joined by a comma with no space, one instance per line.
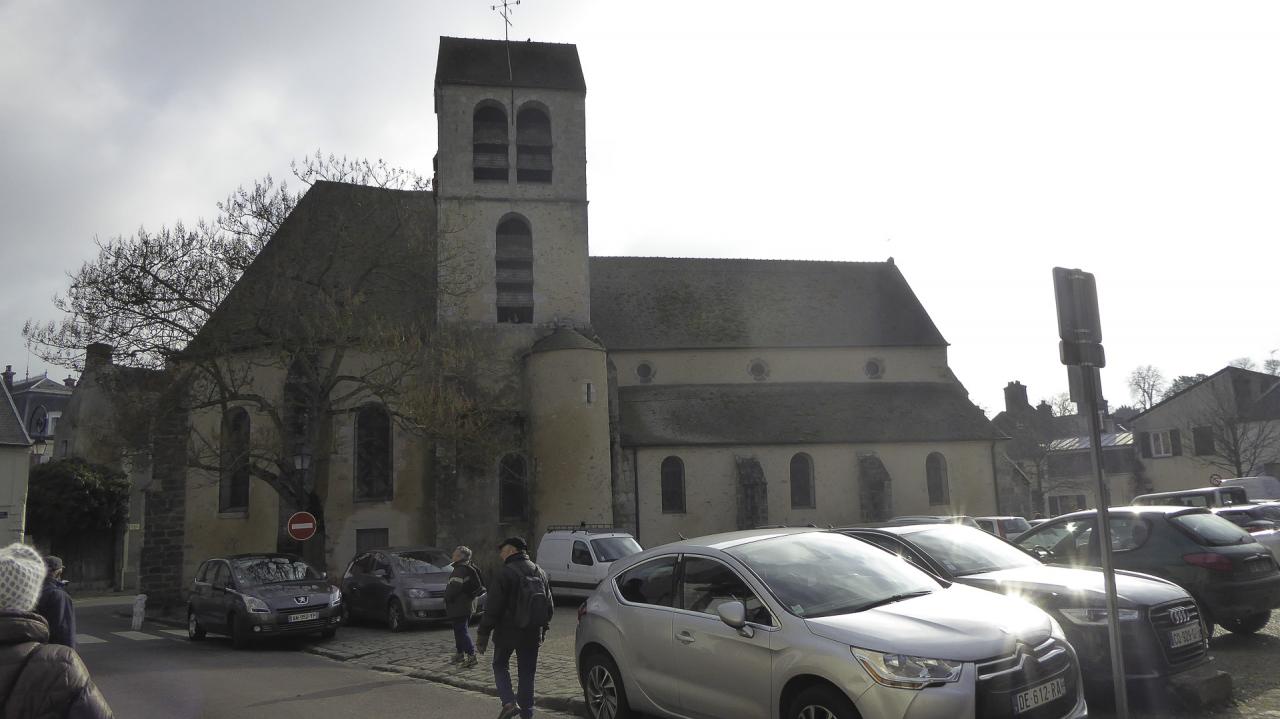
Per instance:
(809,624)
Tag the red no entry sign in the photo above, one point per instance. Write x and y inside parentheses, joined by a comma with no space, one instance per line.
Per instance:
(301,526)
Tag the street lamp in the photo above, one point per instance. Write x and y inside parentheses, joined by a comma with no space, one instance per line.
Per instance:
(302,461)
(38,448)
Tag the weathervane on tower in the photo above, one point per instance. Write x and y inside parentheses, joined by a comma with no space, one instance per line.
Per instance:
(504,9)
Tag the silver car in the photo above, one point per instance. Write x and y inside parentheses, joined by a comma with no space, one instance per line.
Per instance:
(399,586)
(809,624)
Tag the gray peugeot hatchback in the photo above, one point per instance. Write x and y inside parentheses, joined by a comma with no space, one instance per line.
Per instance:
(250,596)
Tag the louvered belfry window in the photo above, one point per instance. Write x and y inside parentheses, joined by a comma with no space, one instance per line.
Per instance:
(533,146)
(489,143)
(514,256)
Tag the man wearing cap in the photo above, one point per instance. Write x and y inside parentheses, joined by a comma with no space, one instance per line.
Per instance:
(517,614)
(55,605)
(37,679)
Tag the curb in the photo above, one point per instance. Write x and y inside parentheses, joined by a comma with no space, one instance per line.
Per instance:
(562,704)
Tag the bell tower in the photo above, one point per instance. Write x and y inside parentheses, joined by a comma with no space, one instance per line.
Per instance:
(511,183)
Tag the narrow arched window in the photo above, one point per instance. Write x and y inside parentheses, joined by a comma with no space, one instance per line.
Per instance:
(533,145)
(673,485)
(514,257)
(935,469)
(802,494)
(489,157)
(373,453)
(233,480)
(513,488)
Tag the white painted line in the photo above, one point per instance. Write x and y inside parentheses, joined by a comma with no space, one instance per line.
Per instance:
(175,632)
(89,639)
(136,636)
(302,525)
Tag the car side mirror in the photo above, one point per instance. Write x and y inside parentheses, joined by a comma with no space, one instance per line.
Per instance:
(734,614)
(1044,555)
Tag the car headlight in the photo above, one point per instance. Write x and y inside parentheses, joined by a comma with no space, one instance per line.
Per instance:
(1055,629)
(418,593)
(902,671)
(255,605)
(1097,615)
(335,596)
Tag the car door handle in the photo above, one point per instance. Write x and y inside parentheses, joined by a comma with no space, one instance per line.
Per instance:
(685,637)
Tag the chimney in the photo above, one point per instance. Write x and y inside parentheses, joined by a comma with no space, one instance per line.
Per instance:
(70,382)
(1015,397)
(97,354)
(1044,410)
(8,376)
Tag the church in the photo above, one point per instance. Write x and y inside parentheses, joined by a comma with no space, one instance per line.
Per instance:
(665,396)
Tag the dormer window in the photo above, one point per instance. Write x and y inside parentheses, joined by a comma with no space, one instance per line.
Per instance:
(489,155)
(533,145)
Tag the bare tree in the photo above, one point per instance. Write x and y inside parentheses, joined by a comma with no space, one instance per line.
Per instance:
(1062,405)
(1240,444)
(1244,363)
(1182,382)
(1145,384)
(1271,365)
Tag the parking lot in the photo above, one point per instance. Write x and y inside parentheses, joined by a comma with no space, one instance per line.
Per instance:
(424,653)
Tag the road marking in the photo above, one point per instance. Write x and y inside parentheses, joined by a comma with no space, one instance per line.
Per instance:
(136,636)
(175,632)
(89,639)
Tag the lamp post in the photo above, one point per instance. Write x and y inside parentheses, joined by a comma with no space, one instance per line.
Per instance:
(301,464)
(38,449)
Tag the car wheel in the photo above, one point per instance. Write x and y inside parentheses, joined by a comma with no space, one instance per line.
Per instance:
(821,702)
(240,636)
(195,632)
(395,616)
(602,689)
(346,615)
(1248,624)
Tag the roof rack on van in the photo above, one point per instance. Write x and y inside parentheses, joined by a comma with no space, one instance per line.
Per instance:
(585,528)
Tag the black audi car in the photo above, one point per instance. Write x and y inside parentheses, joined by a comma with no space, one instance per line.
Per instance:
(1165,641)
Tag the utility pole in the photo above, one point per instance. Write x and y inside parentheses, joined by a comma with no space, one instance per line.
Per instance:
(1080,330)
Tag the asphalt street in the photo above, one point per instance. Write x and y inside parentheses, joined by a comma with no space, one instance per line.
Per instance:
(159,673)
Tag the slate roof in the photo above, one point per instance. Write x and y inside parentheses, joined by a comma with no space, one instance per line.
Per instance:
(371,248)
(44,383)
(564,339)
(677,303)
(799,413)
(12,431)
(1109,440)
(467,61)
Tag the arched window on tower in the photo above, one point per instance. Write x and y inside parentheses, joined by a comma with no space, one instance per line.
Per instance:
(233,480)
(373,453)
(489,156)
(513,488)
(514,255)
(802,494)
(935,469)
(673,485)
(533,145)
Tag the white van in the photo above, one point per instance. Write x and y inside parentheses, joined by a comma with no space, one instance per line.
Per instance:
(1258,488)
(577,558)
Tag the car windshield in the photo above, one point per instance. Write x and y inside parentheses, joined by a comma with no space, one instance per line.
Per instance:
(1015,526)
(1212,530)
(257,571)
(611,549)
(819,574)
(422,561)
(961,550)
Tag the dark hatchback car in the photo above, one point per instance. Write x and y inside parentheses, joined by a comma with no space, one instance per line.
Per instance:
(250,596)
(399,586)
(1234,579)
(1164,640)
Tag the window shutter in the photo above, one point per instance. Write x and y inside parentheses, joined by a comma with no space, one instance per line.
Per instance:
(1175,442)
(1144,444)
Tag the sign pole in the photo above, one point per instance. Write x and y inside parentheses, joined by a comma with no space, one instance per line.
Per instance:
(1080,329)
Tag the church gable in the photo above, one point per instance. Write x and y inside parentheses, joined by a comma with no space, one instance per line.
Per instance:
(676,303)
(544,65)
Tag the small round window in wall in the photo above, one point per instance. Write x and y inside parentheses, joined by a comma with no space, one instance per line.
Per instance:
(758,370)
(645,372)
(874,368)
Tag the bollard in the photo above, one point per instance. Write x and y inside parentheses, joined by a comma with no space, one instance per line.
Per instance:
(139,611)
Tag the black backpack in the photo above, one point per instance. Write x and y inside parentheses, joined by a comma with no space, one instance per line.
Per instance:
(533,599)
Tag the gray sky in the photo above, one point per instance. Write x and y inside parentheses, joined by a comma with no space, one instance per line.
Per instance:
(978,143)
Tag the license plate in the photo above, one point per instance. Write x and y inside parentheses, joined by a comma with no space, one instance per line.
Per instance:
(1039,695)
(1184,636)
(303,617)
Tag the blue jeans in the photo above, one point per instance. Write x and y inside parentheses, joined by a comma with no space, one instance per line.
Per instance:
(526,665)
(461,639)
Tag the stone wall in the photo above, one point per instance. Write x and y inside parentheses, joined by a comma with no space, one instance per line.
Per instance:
(160,572)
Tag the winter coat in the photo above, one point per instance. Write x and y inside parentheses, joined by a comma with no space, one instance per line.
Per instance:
(55,606)
(39,680)
(461,591)
(500,606)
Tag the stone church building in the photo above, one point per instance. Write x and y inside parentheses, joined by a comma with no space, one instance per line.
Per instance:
(666,396)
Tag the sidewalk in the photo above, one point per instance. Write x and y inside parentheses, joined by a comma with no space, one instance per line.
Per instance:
(424,653)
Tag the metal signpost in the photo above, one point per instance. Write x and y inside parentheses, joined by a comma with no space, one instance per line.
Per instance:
(1080,330)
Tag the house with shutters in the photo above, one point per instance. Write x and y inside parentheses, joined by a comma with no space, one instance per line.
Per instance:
(665,396)
(1226,425)
(15,465)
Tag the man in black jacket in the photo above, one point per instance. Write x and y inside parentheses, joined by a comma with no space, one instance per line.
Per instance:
(503,617)
(55,605)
